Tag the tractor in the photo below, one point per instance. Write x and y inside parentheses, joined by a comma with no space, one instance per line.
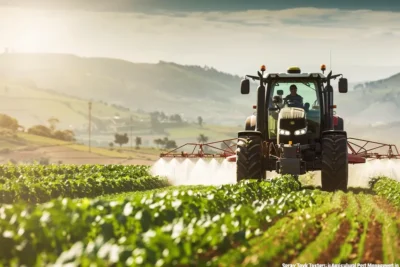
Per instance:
(294,135)
(290,134)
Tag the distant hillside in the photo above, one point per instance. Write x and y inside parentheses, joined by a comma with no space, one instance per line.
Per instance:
(189,90)
(34,87)
(374,102)
(32,106)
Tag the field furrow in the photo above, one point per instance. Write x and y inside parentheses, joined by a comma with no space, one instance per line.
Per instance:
(334,247)
(287,237)
(389,224)
(373,242)
(350,247)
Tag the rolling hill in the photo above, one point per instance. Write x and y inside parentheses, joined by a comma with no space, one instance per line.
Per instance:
(34,87)
(371,110)
(31,106)
(189,90)
(372,103)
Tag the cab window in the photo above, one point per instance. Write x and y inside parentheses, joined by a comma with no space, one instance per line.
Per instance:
(310,102)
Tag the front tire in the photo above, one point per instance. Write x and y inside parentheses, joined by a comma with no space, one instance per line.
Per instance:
(249,157)
(334,171)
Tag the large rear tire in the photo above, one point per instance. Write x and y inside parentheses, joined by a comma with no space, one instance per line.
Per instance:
(249,158)
(334,171)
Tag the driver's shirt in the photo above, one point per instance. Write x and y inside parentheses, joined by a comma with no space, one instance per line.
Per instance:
(297,98)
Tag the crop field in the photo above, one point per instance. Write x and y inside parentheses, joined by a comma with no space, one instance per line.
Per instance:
(114,215)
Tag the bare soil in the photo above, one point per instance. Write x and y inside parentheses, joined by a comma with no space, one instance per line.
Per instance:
(334,247)
(373,243)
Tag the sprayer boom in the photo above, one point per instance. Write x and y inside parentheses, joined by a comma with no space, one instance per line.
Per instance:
(360,150)
(204,150)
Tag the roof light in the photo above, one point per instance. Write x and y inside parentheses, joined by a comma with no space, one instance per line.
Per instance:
(294,70)
(263,68)
(254,106)
(323,67)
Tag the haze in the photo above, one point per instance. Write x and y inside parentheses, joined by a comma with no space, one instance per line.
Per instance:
(364,43)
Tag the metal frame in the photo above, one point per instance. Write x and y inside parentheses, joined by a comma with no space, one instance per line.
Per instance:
(201,154)
(368,153)
(356,150)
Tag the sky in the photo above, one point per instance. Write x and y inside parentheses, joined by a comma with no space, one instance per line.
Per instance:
(232,36)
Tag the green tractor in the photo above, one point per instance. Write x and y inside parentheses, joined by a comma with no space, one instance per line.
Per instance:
(293,134)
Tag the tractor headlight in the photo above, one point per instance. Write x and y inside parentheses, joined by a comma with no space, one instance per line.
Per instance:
(300,131)
(284,132)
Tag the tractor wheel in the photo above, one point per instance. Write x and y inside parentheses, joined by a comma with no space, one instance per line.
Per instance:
(249,159)
(334,171)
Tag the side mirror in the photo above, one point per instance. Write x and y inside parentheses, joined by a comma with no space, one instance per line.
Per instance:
(343,86)
(279,92)
(245,87)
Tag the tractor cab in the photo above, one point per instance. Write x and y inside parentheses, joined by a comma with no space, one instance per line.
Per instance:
(293,107)
(284,99)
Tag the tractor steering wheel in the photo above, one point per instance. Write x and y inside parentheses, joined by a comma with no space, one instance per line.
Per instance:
(293,103)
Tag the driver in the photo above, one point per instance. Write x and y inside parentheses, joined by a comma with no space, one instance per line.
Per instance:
(294,97)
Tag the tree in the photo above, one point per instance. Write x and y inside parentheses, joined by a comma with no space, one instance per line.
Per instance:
(170,144)
(166,143)
(200,121)
(8,122)
(66,135)
(176,118)
(40,130)
(53,122)
(165,140)
(162,116)
(158,142)
(202,138)
(121,139)
(138,142)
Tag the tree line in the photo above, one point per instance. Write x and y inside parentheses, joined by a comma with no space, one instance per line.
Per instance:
(50,131)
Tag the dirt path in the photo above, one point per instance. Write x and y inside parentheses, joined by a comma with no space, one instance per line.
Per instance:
(66,155)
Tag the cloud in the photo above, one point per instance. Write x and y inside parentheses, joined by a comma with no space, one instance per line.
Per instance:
(230,41)
(151,6)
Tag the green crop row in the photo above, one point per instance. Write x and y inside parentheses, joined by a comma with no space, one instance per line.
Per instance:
(337,230)
(388,188)
(39,183)
(288,237)
(174,227)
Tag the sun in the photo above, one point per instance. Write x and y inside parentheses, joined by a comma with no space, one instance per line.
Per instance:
(33,33)
(30,41)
